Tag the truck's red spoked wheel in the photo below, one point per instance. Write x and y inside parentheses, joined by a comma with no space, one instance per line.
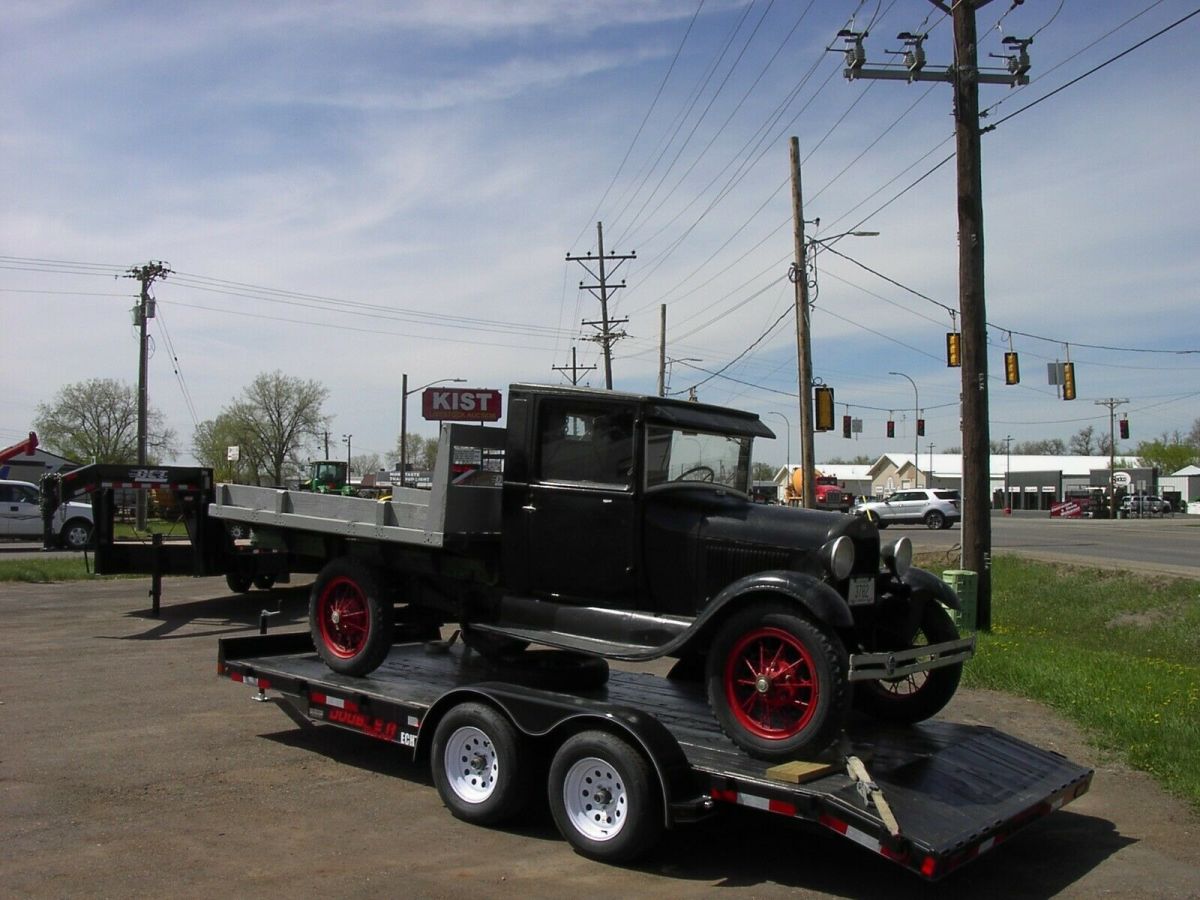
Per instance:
(771,684)
(344,617)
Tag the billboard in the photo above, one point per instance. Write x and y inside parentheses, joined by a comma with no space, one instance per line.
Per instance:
(448,404)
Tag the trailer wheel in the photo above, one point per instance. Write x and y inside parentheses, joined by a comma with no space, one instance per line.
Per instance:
(915,697)
(777,682)
(350,623)
(478,767)
(604,797)
(238,583)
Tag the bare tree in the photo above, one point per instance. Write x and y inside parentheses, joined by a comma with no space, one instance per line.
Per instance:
(1083,442)
(279,415)
(96,421)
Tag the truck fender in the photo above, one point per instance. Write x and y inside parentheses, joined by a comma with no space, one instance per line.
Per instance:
(817,598)
(541,715)
(925,584)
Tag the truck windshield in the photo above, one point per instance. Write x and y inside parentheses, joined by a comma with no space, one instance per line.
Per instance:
(695,456)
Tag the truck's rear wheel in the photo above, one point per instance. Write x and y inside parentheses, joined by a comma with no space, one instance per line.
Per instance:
(915,697)
(264,582)
(350,622)
(604,797)
(76,534)
(237,582)
(478,767)
(777,682)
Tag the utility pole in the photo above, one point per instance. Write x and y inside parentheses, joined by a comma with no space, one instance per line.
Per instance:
(803,336)
(574,368)
(965,78)
(662,350)
(606,336)
(152,271)
(1112,403)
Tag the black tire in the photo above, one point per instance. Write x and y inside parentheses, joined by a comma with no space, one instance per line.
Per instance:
(605,798)
(478,765)
(76,534)
(935,520)
(555,670)
(916,697)
(238,583)
(264,582)
(349,619)
(491,645)
(777,682)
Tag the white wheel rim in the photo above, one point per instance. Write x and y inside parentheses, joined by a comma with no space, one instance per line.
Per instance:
(595,799)
(471,764)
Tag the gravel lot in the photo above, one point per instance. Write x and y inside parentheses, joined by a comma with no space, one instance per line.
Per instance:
(128,768)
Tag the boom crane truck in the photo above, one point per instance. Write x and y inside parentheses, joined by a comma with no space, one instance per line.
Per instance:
(615,526)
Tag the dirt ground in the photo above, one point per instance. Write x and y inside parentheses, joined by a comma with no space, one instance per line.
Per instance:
(128,768)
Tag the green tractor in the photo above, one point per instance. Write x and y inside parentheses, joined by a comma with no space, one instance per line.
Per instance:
(329,476)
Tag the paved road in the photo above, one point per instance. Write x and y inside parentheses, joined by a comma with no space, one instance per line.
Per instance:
(1170,546)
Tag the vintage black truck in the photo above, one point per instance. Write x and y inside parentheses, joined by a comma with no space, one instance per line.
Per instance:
(617,525)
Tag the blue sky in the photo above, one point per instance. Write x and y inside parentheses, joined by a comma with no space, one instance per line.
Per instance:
(352,191)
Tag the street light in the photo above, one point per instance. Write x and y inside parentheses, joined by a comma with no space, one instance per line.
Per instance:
(346,441)
(405,392)
(916,415)
(789,438)
(799,274)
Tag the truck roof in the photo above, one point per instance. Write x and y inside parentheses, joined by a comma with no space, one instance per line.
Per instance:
(683,413)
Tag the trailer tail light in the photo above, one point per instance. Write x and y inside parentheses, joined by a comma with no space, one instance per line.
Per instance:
(261,683)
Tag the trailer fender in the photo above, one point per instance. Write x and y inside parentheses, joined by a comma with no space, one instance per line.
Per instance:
(550,719)
(925,585)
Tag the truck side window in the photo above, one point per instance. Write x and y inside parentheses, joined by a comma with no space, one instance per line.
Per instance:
(582,445)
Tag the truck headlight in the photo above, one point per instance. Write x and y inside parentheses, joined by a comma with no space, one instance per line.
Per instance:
(897,556)
(838,556)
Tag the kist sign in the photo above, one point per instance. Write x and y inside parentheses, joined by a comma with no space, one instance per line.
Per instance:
(461,405)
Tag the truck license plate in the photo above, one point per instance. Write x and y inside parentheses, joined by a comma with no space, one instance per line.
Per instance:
(862,590)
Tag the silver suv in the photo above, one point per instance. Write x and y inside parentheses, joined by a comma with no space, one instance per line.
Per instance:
(21,516)
(931,507)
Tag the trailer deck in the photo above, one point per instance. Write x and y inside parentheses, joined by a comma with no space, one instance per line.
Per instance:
(955,790)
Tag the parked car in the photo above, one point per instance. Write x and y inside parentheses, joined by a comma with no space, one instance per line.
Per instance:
(21,517)
(1144,504)
(931,507)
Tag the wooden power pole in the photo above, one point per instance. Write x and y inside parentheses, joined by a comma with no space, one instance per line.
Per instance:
(147,275)
(606,336)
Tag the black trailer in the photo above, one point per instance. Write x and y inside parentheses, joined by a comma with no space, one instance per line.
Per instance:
(632,754)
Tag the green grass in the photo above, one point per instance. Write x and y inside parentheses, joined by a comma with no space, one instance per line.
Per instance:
(1116,652)
(44,571)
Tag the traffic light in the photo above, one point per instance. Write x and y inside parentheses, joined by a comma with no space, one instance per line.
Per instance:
(1068,381)
(846,426)
(920,428)
(891,431)
(824,404)
(1012,368)
(953,349)
(1124,429)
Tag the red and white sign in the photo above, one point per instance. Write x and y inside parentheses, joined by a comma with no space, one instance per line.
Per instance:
(460,404)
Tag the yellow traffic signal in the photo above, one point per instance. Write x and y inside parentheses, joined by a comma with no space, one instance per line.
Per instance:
(824,411)
(953,349)
(1012,368)
(1068,380)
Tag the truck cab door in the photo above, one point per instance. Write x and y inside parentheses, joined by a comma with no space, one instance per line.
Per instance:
(580,519)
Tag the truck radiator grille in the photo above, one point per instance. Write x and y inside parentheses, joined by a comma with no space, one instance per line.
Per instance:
(725,563)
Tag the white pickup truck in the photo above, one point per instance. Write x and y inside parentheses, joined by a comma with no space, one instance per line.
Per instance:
(21,516)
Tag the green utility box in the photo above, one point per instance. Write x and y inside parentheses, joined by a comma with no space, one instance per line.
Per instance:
(966,585)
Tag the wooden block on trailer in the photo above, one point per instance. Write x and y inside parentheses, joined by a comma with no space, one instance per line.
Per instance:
(799,771)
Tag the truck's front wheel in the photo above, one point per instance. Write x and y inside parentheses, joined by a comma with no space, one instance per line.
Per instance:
(777,682)
(350,622)
(920,695)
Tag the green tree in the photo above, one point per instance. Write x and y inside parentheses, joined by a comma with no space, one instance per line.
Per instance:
(1168,454)
(278,416)
(96,421)
(763,471)
(422,451)
(210,445)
